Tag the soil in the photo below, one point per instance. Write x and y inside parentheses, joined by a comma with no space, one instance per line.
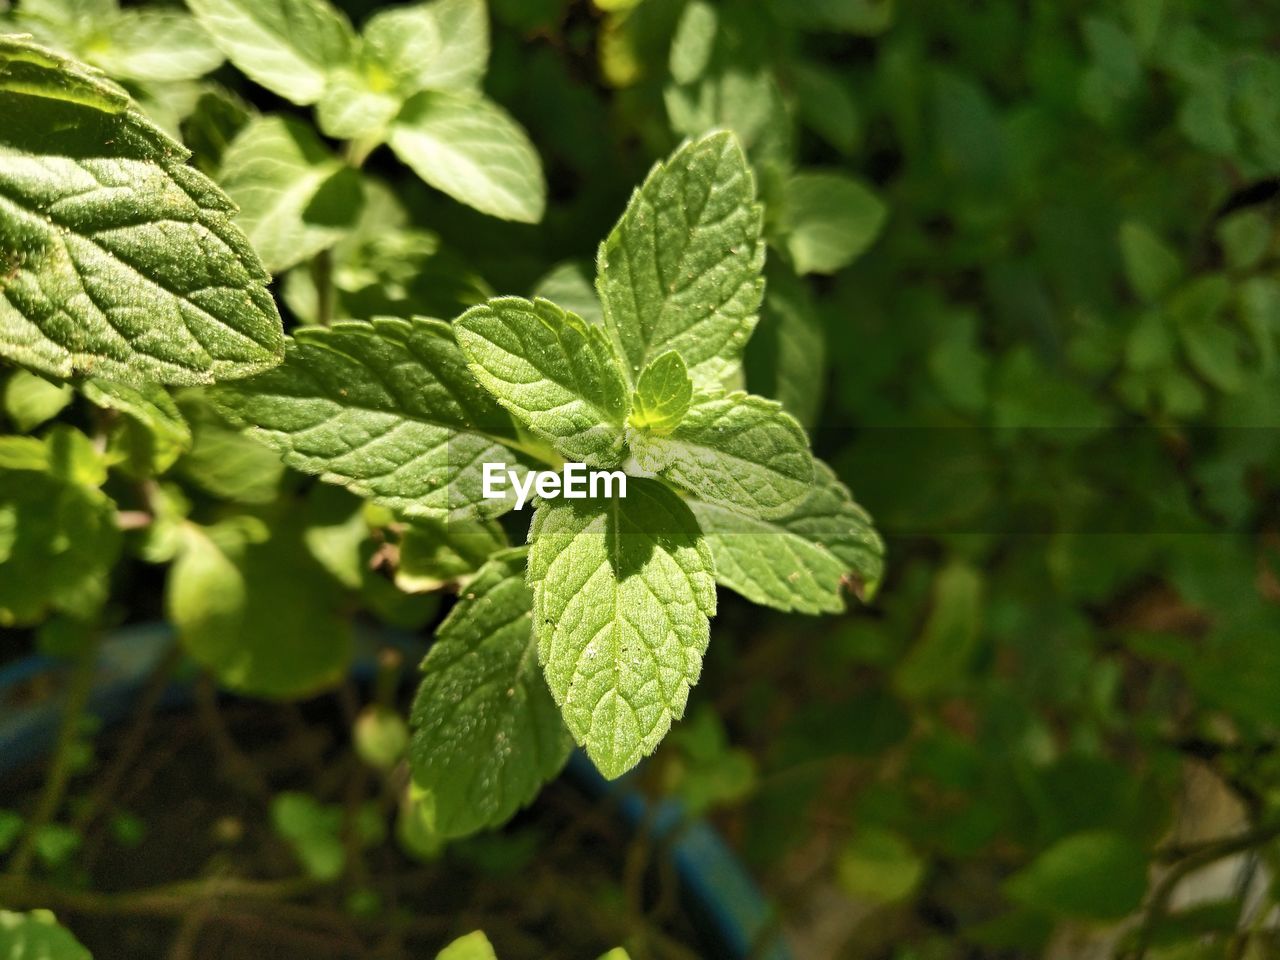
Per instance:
(563,879)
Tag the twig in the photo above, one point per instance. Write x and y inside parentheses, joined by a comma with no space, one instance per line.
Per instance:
(55,784)
(171,900)
(1194,857)
(234,763)
(134,741)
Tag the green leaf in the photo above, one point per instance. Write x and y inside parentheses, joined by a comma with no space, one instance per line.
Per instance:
(662,395)
(263,616)
(313,830)
(826,105)
(879,865)
(939,662)
(224,461)
(738,451)
(37,936)
(487,734)
(58,534)
(623,589)
(1152,268)
(295,197)
(787,356)
(441,45)
(828,221)
(435,554)
(1096,874)
(30,400)
(115,258)
(681,270)
(1246,236)
(802,562)
(357,105)
(152,409)
(288,46)
(568,286)
(555,373)
(387,409)
(471,149)
(156,46)
(694,41)
(474,946)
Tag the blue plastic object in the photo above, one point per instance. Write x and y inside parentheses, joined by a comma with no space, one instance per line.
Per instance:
(718,892)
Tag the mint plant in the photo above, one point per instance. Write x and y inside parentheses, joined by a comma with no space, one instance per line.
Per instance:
(620,590)
(125,265)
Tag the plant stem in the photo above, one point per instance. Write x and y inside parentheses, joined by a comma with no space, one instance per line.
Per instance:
(165,901)
(55,784)
(134,740)
(322,277)
(1194,858)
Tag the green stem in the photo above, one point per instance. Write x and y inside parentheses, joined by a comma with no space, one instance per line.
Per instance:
(322,277)
(55,785)
(173,899)
(1194,858)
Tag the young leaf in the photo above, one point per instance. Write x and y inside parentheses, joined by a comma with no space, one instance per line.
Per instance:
(474,946)
(662,395)
(288,46)
(356,105)
(803,561)
(37,936)
(553,371)
(295,197)
(623,589)
(387,409)
(441,45)
(487,734)
(828,221)
(738,451)
(681,270)
(471,149)
(115,258)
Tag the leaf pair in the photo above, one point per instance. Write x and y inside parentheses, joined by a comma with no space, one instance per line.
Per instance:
(411,80)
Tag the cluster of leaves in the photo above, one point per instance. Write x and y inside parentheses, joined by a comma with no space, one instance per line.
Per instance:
(1029,247)
(126,276)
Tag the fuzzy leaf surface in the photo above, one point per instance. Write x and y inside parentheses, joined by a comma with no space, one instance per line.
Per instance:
(682,268)
(801,562)
(116,259)
(662,395)
(386,409)
(553,371)
(739,451)
(487,734)
(623,589)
